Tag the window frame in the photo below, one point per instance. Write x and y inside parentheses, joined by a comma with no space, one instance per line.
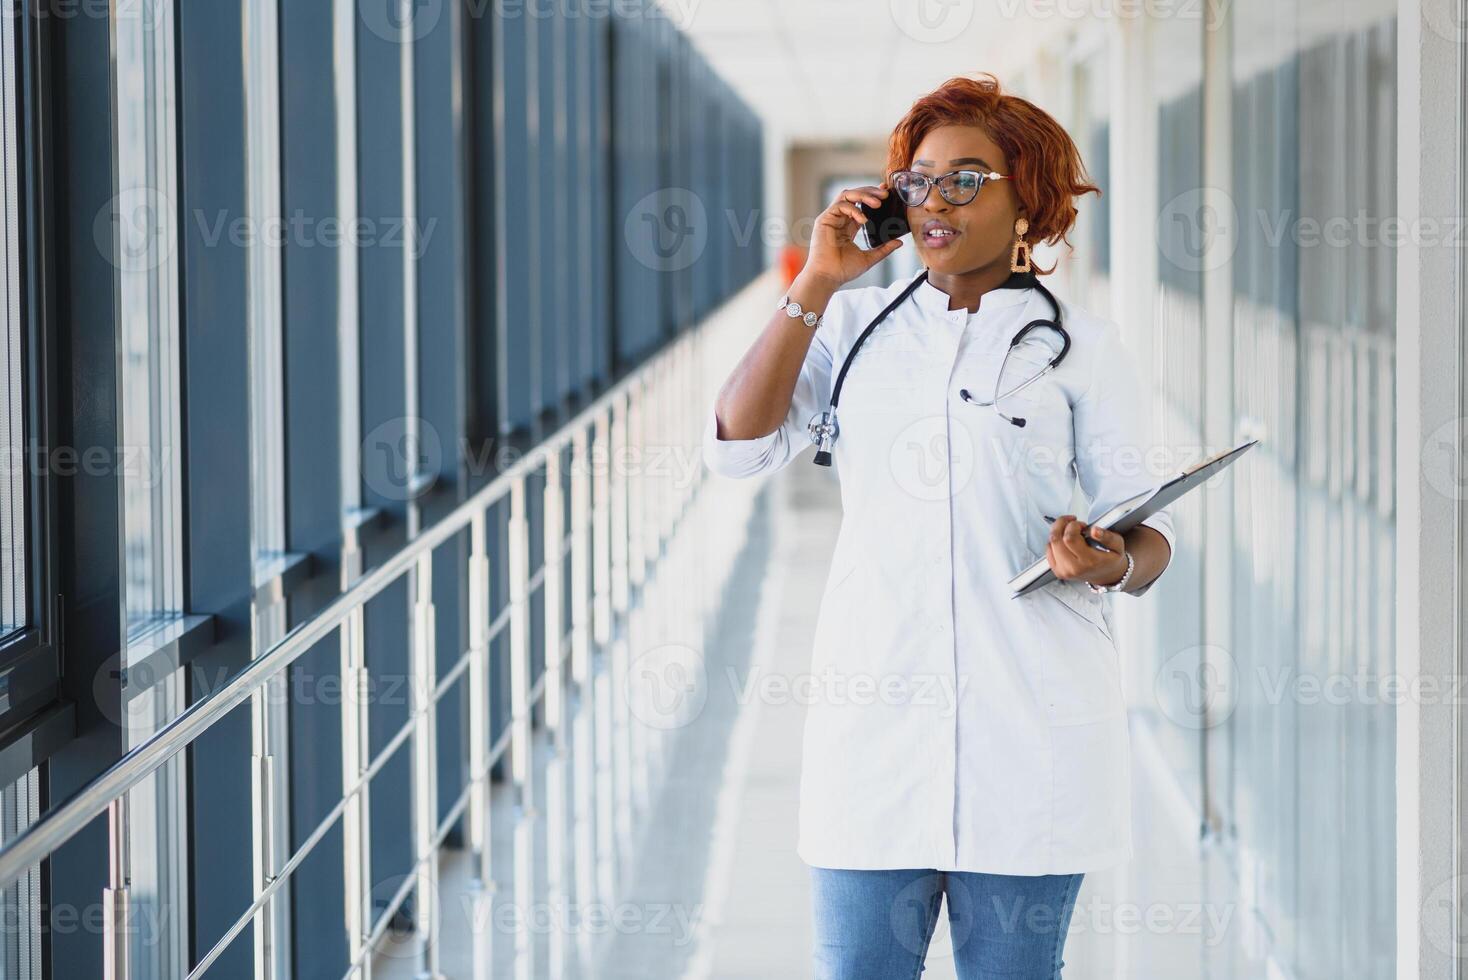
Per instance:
(30,668)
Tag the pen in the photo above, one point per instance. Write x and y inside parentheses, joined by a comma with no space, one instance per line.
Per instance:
(1089,540)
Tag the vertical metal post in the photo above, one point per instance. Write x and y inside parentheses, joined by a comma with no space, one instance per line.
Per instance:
(601,529)
(601,581)
(553,599)
(270,740)
(521,749)
(553,596)
(425,761)
(480,827)
(263,829)
(520,682)
(621,762)
(583,819)
(356,819)
(479,703)
(115,925)
(634,481)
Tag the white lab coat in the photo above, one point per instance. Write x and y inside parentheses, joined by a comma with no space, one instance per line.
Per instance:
(950,726)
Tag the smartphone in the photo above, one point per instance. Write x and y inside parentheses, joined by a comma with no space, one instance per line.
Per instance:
(885,222)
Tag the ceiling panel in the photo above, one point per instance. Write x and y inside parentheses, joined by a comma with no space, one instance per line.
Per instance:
(831,69)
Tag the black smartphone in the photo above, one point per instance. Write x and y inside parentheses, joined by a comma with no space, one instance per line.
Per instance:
(886,221)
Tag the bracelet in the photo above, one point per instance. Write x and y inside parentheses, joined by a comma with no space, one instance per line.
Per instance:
(793,311)
(1120,584)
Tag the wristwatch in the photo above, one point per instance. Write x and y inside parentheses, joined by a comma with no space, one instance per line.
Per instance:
(1118,585)
(793,311)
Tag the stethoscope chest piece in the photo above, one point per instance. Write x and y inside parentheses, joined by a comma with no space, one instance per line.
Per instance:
(823,432)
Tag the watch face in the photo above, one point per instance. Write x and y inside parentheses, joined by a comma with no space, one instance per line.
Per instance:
(810,319)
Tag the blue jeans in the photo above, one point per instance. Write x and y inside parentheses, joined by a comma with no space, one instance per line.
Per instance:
(876,925)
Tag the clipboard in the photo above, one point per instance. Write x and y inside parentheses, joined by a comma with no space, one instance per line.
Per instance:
(1133,511)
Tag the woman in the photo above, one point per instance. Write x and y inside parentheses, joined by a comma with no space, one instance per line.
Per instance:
(1002,793)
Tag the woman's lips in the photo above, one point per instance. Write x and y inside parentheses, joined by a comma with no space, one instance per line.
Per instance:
(939,236)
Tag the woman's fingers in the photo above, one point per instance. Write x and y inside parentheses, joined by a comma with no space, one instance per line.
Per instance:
(843,208)
(1072,557)
(1071,537)
(870,195)
(1110,539)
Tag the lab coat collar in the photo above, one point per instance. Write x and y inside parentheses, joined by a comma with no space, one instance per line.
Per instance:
(934,300)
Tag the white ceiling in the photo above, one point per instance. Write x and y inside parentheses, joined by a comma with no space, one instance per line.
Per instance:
(837,69)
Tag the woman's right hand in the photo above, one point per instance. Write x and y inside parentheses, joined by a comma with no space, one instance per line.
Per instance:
(834,255)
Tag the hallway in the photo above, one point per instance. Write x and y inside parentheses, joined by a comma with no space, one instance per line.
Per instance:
(718,893)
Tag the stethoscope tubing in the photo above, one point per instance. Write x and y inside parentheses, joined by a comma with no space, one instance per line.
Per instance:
(825,430)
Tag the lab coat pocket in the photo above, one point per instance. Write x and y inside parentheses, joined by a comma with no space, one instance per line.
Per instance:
(1080,671)
(1083,602)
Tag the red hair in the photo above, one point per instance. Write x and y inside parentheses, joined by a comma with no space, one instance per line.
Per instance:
(1043,160)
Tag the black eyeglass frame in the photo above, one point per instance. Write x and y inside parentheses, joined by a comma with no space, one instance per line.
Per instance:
(940,181)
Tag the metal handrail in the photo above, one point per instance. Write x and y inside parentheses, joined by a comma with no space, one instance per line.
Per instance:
(56,828)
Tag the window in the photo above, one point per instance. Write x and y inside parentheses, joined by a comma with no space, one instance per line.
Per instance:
(145,228)
(13,568)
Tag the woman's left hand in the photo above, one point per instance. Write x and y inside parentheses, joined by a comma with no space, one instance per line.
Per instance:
(1070,557)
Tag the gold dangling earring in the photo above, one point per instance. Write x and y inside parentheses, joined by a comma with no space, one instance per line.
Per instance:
(1019,257)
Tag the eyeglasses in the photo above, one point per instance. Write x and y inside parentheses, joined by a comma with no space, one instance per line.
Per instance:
(957,186)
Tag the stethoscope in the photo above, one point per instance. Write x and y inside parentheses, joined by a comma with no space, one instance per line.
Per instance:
(823,428)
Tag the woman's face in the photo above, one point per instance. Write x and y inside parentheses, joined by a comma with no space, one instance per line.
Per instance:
(983,229)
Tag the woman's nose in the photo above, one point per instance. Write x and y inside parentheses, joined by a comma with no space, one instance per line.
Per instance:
(936,202)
